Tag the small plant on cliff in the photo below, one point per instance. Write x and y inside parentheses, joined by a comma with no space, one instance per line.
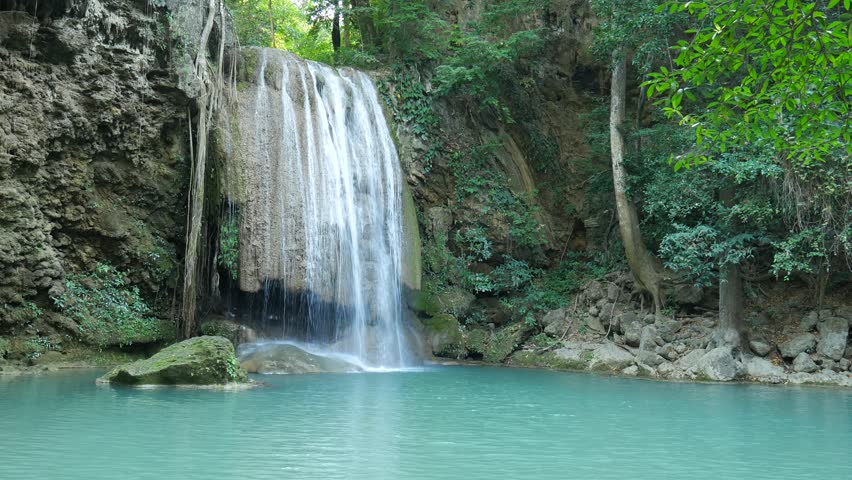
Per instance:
(107,309)
(229,246)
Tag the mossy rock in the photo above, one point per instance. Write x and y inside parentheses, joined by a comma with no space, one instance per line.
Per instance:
(198,361)
(496,347)
(453,301)
(528,358)
(505,341)
(423,302)
(444,335)
(476,341)
(5,347)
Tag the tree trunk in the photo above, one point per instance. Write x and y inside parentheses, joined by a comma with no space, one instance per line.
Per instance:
(646,268)
(335,29)
(731,325)
(272,23)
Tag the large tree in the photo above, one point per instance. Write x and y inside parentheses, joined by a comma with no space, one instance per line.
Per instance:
(631,31)
(774,76)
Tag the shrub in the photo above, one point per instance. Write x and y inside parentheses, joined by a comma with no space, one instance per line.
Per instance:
(108,311)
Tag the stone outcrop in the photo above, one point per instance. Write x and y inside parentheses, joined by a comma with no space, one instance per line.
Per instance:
(200,361)
(93,151)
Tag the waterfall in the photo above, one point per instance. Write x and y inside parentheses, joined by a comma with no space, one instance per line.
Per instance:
(319,187)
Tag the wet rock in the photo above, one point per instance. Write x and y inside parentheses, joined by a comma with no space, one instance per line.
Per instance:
(282,358)
(630,371)
(804,363)
(197,361)
(718,364)
(609,357)
(804,342)
(760,346)
(833,334)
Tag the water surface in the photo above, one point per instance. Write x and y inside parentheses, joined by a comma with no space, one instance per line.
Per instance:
(442,423)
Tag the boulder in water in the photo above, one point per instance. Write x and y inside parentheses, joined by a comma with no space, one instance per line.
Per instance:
(285,358)
(197,361)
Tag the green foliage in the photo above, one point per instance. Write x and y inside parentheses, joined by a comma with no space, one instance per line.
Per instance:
(762,70)
(800,252)
(696,250)
(477,176)
(636,26)
(293,31)
(411,30)
(229,246)
(411,105)
(108,310)
(35,347)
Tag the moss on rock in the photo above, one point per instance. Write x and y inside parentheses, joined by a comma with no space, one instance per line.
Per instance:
(445,337)
(197,361)
(531,359)
(497,346)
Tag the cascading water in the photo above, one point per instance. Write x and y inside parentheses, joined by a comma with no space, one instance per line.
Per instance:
(321,227)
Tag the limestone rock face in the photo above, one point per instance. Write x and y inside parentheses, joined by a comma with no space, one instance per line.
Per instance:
(92,145)
(718,364)
(833,334)
(197,361)
(804,342)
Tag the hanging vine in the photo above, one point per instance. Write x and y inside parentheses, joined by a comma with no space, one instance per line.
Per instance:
(212,83)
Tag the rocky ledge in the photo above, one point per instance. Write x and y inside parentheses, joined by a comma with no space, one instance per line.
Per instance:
(200,361)
(601,334)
